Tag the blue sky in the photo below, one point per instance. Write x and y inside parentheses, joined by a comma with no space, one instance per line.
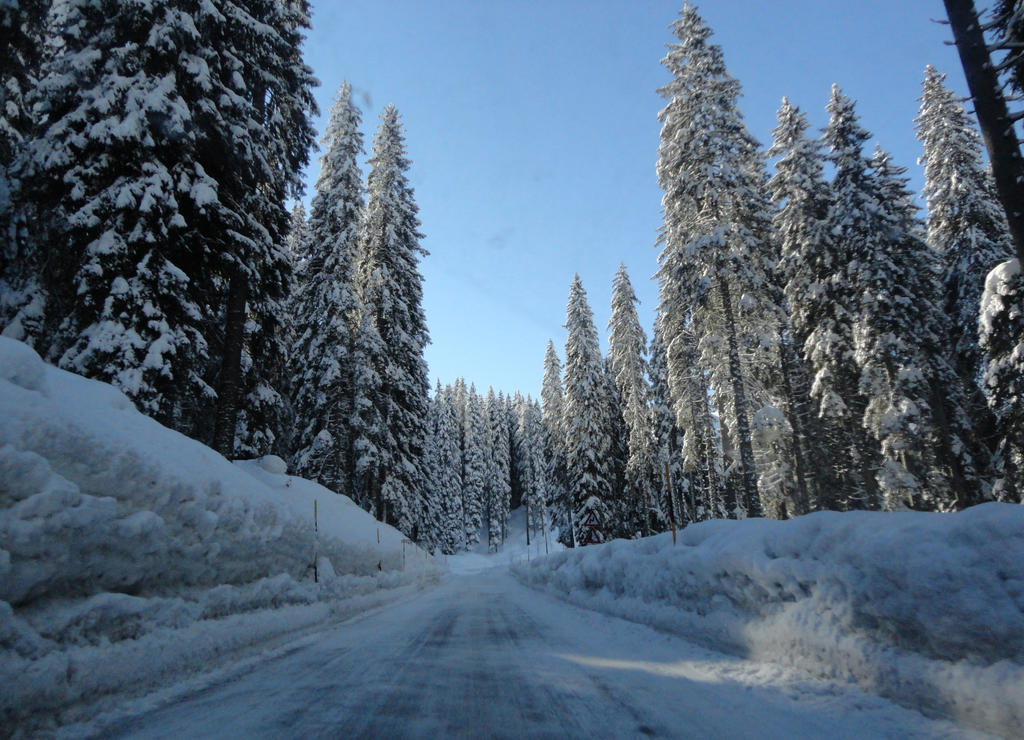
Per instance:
(532,127)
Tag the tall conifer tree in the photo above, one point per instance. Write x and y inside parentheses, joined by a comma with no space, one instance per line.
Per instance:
(552,403)
(715,260)
(587,442)
(120,251)
(628,353)
(853,223)
(327,308)
(1002,328)
(391,291)
(22,30)
(966,225)
(805,270)
(474,466)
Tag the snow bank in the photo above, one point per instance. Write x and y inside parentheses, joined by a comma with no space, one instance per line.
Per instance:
(926,609)
(114,529)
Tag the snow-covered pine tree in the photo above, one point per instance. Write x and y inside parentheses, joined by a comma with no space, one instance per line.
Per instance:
(552,403)
(430,511)
(587,442)
(474,466)
(326,305)
(22,31)
(628,354)
(916,406)
(966,224)
(676,494)
(714,265)
(371,446)
(854,225)
(805,270)
(22,23)
(267,93)
(460,398)
(297,249)
(297,246)
(120,246)
(513,411)
(533,467)
(390,288)
(441,528)
(1001,329)
(623,519)
(497,485)
(298,238)
(448,485)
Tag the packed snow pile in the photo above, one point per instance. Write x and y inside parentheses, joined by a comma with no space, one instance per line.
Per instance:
(128,550)
(926,609)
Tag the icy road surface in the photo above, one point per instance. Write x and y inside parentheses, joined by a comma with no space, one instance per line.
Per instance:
(482,656)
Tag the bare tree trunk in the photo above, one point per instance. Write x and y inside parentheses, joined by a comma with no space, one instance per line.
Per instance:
(993,116)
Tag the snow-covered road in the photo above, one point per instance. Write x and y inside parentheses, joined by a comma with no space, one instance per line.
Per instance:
(483,656)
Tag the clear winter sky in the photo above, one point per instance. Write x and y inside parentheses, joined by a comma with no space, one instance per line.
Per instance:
(532,127)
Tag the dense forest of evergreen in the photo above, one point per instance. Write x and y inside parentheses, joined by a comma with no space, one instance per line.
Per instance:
(818,344)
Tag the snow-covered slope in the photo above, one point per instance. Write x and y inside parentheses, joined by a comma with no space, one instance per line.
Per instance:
(927,609)
(513,550)
(119,537)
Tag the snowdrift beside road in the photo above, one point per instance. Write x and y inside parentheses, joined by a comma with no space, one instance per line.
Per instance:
(126,548)
(926,609)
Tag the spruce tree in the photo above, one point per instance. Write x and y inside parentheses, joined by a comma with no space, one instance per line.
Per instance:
(159,201)
(552,403)
(498,489)
(628,354)
(22,29)
(624,517)
(533,467)
(714,265)
(267,93)
(442,526)
(474,466)
(513,412)
(587,442)
(371,447)
(326,306)
(1001,331)
(390,288)
(676,490)
(924,427)
(966,224)
(805,271)
(854,224)
(120,247)
(298,241)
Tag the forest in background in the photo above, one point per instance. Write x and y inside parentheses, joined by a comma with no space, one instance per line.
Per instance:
(818,344)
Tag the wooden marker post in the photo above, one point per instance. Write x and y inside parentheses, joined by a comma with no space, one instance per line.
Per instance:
(404,543)
(316,546)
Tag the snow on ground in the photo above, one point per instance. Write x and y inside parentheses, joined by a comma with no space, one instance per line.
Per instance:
(513,550)
(926,609)
(482,656)
(130,553)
